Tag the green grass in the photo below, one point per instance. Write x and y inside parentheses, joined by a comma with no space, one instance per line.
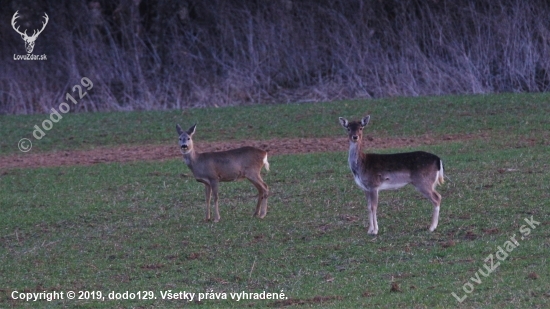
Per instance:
(392,117)
(139,226)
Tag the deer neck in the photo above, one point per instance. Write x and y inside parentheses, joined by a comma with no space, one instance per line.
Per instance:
(354,157)
(190,157)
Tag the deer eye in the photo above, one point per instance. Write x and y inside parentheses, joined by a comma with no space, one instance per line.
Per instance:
(361,129)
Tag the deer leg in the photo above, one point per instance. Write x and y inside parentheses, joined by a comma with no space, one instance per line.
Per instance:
(264,194)
(208,194)
(214,185)
(435,198)
(436,201)
(263,191)
(372,204)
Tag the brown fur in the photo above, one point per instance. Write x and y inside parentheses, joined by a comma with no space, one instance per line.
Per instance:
(376,172)
(210,168)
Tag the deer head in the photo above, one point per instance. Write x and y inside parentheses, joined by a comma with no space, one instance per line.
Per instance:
(185,142)
(355,128)
(29,40)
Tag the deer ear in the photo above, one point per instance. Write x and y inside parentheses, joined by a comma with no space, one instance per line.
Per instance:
(343,122)
(178,128)
(191,130)
(365,120)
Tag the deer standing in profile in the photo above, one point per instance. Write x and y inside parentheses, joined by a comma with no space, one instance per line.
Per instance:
(210,168)
(376,172)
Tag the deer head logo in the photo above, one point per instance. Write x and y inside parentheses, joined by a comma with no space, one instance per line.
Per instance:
(29,40)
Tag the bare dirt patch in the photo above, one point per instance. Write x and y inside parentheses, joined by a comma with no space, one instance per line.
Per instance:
(275,147)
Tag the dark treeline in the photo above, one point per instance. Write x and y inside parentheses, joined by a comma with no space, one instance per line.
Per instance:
(174,54)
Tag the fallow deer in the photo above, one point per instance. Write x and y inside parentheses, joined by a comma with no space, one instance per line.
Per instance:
(376,172)
(210,168)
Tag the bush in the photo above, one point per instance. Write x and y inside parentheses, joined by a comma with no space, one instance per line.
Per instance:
(175,54)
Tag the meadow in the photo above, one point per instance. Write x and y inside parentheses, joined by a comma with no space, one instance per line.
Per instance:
(139,227)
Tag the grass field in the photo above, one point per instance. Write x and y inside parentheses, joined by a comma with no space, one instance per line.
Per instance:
(139,227)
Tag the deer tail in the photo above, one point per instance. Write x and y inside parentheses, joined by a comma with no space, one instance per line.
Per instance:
(440,174)
(266,164)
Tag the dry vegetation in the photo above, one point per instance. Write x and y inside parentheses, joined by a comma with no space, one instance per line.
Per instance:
(174,54)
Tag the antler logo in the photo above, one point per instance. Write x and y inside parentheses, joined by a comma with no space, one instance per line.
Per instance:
(29,40)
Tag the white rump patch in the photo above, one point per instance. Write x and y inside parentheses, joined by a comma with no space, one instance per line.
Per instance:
(266,164)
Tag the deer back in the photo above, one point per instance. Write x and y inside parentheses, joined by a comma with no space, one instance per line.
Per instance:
(392,171)
(227,165)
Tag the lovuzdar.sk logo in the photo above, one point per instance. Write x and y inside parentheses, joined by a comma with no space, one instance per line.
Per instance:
(29,40)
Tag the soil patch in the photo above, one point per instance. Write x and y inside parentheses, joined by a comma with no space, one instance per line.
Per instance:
(275,147)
